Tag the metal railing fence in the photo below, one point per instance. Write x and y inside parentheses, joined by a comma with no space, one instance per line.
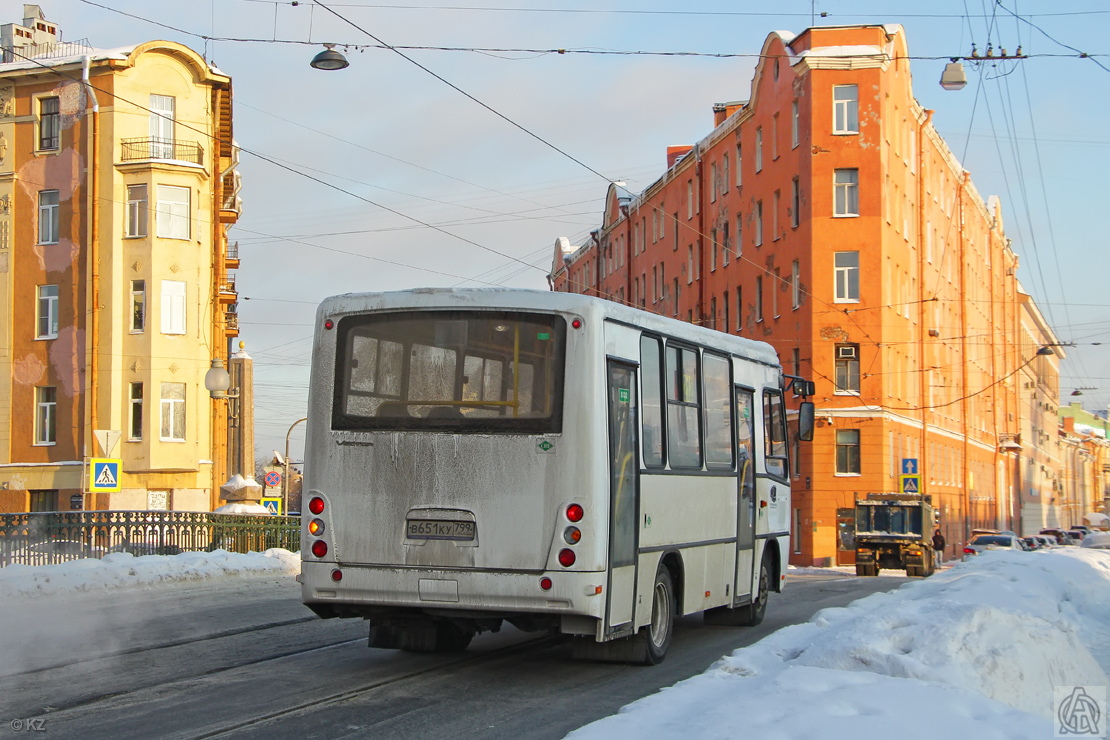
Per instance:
(52,537)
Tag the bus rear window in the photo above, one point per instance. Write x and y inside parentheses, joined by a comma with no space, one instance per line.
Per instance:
(454,371)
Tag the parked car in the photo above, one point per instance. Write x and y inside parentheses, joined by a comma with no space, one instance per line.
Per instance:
(1077,534)
(1032,543)
(146,548)
(49,552)
(983,542)
(1097,541)
(1046,540)
(1062,537)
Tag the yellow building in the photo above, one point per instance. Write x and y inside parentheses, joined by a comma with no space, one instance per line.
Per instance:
(117,186)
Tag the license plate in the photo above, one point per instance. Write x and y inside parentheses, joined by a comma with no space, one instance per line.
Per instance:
(439,529)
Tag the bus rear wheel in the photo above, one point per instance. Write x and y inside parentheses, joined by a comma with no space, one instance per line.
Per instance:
(656,635)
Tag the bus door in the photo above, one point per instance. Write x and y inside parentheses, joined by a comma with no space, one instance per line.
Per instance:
(623,495)
(745,504)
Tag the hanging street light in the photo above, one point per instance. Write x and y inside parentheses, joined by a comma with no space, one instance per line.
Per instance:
(329,58)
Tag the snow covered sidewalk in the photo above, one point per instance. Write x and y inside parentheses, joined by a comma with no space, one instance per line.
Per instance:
(125,571)
(974,651)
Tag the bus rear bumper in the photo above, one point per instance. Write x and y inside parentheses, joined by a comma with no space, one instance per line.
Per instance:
(365,590)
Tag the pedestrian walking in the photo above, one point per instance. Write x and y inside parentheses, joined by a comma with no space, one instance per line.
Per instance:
(938,548)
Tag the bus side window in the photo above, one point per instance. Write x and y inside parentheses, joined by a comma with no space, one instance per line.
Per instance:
(683,411)
(718,411)
(774,434)
(651,409)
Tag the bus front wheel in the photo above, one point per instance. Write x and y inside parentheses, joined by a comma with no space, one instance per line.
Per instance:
(656,635)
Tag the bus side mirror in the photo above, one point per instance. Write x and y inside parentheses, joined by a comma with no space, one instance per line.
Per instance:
(805,421)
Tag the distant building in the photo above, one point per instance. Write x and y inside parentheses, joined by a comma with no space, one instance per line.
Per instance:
(117,186)
(826,216)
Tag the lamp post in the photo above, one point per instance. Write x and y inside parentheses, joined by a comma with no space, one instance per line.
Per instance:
(285,473)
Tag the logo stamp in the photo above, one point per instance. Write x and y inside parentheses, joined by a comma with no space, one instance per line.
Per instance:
(1079,711)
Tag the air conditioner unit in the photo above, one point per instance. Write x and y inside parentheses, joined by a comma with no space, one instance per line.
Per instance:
(847,352)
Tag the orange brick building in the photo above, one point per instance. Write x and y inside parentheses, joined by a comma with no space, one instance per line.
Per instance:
(827,217)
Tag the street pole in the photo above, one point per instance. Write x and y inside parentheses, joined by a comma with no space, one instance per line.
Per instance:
(285,473)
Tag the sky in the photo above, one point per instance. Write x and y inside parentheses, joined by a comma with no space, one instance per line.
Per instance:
(985,648)
(459,163)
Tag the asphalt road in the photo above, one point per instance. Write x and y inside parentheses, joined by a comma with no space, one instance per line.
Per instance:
(252,662)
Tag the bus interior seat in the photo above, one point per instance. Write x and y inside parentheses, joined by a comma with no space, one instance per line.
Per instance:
(393,408)
(445,412)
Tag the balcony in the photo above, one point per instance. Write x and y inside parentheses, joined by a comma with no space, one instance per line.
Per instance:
(231,255)
(164,149)
(227,289)
(231,321)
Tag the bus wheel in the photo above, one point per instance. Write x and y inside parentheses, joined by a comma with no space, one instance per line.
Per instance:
(656,636)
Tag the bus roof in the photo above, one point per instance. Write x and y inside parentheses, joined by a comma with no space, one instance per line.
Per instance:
(543,300)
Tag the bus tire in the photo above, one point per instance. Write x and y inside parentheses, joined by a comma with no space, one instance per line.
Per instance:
(656,635)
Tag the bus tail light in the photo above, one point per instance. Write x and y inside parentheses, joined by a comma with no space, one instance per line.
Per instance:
(316,505)
(316,527)
(566,557)
(545,583)
(575,512)
(319,548)
(337,575)
(572,535)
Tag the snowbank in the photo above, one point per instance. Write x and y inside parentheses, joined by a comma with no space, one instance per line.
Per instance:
(973,651)
(123,570)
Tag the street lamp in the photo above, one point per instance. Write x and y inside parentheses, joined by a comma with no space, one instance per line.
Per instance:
(285,473)
(329,59)
(953,77)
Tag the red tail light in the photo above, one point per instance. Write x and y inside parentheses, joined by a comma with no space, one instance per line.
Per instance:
(566,557)
(968,551)
(316,505)
(545,583)
(337,575)
(575,513)
(319,548)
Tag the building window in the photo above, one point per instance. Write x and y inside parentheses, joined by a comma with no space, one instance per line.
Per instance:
(739,167)
(726,246)
(689,199)
(136,210)
(714,245)
(714,183)
(846,374)
(46,324)
(776,284)
(776,206)
(44,500)
(845,109)
(162,115)
(689,264)
(846,192)
(795,203)
(775,135)
(172,212)
(173,412)
(46,407)
(759,298)
(725,174)
(135,428)
(50,124)
(758,215)
(794,124)
(846,276)
(49,218)
(847,452)
(759,149)
(173,307)
(739,309)
(796,284)
(138,306)
(739,237)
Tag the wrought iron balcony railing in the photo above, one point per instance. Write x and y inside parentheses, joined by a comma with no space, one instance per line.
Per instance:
(150,148)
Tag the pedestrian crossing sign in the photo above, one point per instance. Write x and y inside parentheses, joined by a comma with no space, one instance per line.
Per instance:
(909,483)
(273,504)
(104,475)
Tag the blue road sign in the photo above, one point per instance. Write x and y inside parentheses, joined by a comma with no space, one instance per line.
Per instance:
(104,475)
(909,483)
(909,466)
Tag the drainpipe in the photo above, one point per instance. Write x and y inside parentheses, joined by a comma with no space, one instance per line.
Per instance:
(93,339)
(922,328)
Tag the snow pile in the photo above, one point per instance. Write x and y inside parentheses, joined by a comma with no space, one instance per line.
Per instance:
(971,650)
(123,570)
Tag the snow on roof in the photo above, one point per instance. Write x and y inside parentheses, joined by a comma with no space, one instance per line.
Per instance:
(842,51)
